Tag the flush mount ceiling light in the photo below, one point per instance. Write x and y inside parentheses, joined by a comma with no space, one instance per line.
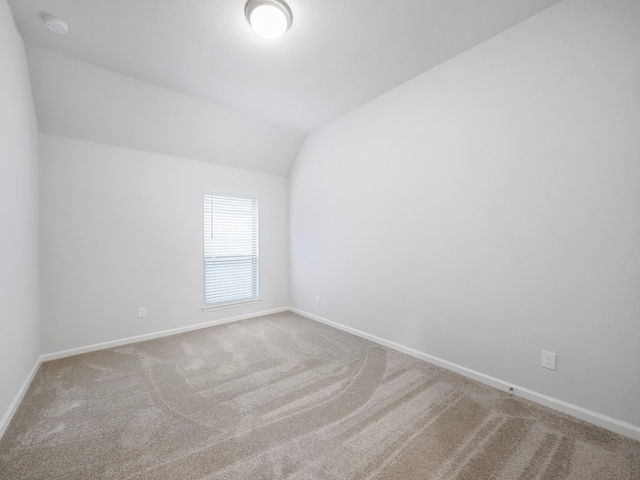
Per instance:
(269,18)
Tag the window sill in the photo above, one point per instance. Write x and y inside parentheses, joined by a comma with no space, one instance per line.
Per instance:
(237,303)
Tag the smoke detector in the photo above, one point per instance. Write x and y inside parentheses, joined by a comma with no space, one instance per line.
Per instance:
(56,25)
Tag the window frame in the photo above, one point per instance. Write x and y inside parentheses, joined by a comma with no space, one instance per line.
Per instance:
(206,217)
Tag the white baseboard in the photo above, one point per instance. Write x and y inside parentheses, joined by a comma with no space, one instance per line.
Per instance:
(150,336)
(8,415)
(595,418)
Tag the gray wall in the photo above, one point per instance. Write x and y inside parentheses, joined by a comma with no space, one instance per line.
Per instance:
(19,303)
(122,229)
(490,208)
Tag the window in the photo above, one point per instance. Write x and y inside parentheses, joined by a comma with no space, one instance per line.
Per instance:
(231,266)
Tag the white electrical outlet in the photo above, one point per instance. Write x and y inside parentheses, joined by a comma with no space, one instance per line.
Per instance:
(142,312)
(318,299)
(549,360)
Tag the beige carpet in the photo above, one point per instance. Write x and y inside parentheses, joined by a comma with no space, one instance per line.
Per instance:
(285,397)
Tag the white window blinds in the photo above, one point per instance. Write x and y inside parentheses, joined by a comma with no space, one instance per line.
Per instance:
(231,267)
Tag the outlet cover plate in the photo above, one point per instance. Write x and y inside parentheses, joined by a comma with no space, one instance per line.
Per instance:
(549,360)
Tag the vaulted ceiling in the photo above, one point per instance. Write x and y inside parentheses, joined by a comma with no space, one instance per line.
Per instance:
(338,55)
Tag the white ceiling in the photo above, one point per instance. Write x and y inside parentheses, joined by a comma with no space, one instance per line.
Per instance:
(338,54)
(77,100)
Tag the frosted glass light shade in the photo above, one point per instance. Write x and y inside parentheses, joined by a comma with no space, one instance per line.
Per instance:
(269,18)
